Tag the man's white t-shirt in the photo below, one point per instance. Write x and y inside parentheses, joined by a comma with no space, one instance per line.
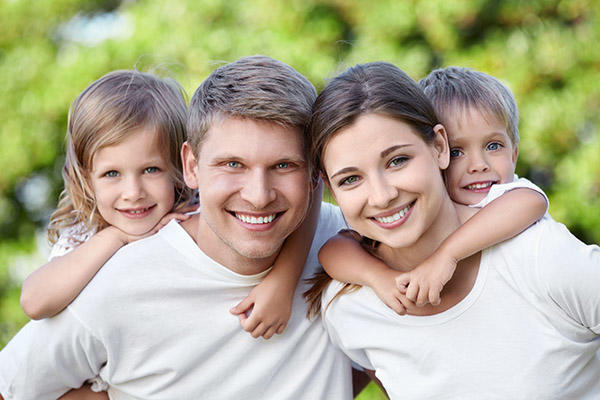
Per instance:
(154,323)
(529,328)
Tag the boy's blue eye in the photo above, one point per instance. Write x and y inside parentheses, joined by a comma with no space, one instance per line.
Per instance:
(151,170)
(111,174)
(397,161)
(349,180)
(494,146)
(455,153)
(234,164)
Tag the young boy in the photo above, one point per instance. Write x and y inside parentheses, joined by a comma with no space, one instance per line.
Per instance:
(481,119)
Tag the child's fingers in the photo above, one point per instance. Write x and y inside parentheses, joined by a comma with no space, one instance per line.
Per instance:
(258,331)
(270,332)
(412,291)
(402,282)
(422,296)
(281,328)
(397,306)
(243,306)
(434,295)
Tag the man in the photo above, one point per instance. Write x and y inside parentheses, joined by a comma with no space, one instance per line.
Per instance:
(155,323)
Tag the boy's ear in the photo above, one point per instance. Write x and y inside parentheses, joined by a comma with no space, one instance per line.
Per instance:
(190,165)
(441,146)
(515,154)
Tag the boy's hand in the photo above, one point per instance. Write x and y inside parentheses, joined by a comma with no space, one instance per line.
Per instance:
(385,287)
(423,284)
(266,310)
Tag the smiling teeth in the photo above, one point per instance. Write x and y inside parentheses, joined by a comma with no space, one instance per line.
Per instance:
(394,217)
(479,185)
(136,211)
(254,220)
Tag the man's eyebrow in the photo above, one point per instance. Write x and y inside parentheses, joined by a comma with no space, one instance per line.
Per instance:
(391,149)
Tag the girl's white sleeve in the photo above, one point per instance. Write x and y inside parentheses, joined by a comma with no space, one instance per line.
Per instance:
(501,188)
(69,239)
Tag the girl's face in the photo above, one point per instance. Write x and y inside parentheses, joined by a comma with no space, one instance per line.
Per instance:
(386,179)
(132,186)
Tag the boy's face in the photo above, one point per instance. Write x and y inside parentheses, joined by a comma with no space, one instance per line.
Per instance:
(481,154)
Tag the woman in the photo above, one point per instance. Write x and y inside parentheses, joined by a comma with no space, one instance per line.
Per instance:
(518,320)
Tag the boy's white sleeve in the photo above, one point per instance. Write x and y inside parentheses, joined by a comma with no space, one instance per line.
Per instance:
(499,189)
(570,271)
(47,358)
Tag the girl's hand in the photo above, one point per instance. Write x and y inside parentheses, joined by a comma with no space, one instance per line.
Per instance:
(385,287)
(424,284)
(266,310)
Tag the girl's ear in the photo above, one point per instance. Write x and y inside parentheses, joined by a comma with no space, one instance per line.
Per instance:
(190,166)
(440,146)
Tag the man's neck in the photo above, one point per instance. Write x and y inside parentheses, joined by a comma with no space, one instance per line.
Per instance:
(220,252)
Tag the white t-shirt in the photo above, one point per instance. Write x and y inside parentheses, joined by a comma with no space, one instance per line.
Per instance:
(499,189)
(529,328)
(155,324)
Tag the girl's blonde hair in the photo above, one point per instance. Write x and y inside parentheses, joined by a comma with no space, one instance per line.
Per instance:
(104,114)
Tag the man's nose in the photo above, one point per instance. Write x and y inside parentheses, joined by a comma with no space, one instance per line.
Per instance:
(258,189)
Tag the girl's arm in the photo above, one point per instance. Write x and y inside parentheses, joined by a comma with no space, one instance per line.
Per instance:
(267,309)
(52,287)
(344,259)
(503,218)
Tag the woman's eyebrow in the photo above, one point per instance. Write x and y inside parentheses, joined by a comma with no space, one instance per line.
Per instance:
(343,171)
(391,149)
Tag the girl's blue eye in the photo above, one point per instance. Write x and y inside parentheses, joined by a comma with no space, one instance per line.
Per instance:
(151,170)
(349,180)
(494,146)
(455,153)
(111,174)
(234,164)
(397,161)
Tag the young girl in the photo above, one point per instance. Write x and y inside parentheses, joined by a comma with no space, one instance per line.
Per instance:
(123,182)
(481,118)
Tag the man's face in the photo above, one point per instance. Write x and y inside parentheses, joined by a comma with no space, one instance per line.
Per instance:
(254,189)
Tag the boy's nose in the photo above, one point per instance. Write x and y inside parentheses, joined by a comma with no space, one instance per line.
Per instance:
(257,189)
(478,163)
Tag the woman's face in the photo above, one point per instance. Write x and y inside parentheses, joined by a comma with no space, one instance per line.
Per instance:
(386,179)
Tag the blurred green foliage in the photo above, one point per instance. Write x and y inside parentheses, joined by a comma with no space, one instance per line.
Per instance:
(546,51)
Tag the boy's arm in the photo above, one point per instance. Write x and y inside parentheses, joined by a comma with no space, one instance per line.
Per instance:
(267,309)
(344,259)
(503,218)
(84,393)
(52,287)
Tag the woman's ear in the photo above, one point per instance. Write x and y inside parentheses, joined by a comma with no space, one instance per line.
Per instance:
(441,146)
(190,166)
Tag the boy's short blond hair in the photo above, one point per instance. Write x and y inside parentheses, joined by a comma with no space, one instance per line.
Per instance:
(254,87)
(458,87)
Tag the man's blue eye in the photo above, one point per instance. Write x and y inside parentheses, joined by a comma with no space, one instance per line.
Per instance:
(233,164)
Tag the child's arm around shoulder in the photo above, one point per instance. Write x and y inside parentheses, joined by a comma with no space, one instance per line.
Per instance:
(344,259)
(53,286)
(269,304)
(503,218)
